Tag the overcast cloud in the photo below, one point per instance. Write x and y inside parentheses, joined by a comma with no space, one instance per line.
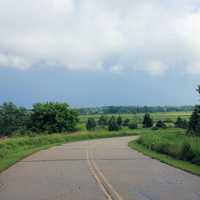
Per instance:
(115,35)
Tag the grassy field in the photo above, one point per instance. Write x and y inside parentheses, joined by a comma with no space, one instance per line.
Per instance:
(165,116)
(15,149)
(171,146)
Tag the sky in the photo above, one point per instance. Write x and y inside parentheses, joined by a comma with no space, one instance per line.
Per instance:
(95,53)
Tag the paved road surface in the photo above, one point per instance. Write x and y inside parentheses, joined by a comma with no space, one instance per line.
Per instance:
(96,170)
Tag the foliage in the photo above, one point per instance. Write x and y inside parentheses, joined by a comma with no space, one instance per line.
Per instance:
(119,121)
(132,109)
(52,117)
(174,143)
(194,124)
(113,125)
(160,124)
(91,124)
(132,125)
(126,122)
(147,121)
(12,118)
(103,121)
(181,123)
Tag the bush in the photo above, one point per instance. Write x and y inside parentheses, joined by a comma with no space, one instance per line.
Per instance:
(186,153)
(181,123)
(160,124)
(126,122)
(52,117)
(12,118)
(175,144)
(91,124)
(112,124)
(132,125)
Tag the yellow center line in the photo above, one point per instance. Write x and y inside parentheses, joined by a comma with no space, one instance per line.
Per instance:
(104,184)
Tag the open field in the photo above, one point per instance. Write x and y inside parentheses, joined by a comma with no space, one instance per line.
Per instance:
(165,116)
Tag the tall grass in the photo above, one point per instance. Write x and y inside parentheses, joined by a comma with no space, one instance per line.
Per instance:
(173,142)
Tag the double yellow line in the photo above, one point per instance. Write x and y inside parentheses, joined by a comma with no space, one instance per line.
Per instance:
(106,187)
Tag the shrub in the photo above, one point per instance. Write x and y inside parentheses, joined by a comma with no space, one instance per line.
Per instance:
(186,153)
(112,124)
(91,124)
(103,121)
(160,124)
(147,121)
(52,117)
(180,123)
(132,125)
(126,122)
(12,118)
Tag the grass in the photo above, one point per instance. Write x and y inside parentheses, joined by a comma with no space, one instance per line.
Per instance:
(15,149)
(165,116)
(168,146)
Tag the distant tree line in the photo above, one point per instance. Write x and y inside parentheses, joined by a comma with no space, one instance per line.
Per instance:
(43,117)
(132,109)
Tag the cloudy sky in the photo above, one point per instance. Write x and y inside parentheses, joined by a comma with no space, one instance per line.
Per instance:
(100,52)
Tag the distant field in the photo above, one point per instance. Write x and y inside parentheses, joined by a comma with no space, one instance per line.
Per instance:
(165,116)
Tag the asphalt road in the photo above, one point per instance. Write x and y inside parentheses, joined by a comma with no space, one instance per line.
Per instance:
(96,170)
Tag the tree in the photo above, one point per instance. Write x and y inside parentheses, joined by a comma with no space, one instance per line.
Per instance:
(119,121)
(102,121)
(12,118)
(91,124)
(126,122)
(52,117)
(112,124)
(160,124)
(194,123)
(181,123)
(147,121)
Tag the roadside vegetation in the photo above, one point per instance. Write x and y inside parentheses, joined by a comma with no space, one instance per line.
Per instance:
(179,146)
(172,136)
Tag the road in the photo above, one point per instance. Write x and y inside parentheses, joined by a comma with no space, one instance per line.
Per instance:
(96,170)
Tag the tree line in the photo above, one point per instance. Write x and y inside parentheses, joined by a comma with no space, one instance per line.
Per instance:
(47,117)
(132,109)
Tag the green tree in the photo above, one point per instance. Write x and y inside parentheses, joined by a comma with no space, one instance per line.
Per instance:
(113,125)
(181,123)
(119,121)
(147,121)
(194,123)
(12,118)
(52,117)
(102,121)
(91,124)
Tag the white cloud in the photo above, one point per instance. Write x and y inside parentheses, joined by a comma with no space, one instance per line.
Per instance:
(84,35)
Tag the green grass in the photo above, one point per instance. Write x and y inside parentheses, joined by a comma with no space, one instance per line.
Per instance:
(169,116)
(15,149)
(167,146)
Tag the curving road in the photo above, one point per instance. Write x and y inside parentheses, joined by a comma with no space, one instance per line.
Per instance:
(96,170)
